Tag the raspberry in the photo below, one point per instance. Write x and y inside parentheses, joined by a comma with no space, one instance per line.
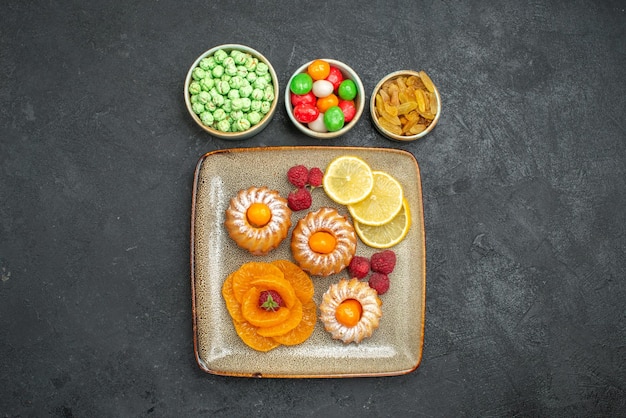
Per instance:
(383,262)
(359,267)
(298,175)
(299,199)
(379,282)
(315,177)
(270,300)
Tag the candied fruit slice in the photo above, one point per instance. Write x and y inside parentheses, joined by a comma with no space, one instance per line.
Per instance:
(232,305)
(304,329)
(252,339)
(299,279)
(280,285)
(251,271)
(257,316)
(292,321)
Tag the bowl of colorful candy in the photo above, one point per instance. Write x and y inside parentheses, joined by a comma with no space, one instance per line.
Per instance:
(231,91)
(405,105)
(324,98)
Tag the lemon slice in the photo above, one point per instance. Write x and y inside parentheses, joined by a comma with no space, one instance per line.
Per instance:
(389,234)
(348,180)
(382,204)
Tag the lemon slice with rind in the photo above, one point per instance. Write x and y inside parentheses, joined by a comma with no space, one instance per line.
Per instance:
(389,234)
(348,180)
(382,204)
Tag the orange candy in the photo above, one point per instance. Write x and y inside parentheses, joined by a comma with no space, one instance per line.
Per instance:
(322,242)
(349,312)
(325,103)
(319,69)
(258,214)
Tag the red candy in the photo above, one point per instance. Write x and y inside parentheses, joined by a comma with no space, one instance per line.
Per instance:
(305,112)
(308,98)
(348,108)
(335,77)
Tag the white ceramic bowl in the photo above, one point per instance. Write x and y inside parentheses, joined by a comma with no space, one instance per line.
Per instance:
(254,129)
(375,117)
(359,101)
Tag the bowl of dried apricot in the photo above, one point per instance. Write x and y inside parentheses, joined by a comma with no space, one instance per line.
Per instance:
(405,105)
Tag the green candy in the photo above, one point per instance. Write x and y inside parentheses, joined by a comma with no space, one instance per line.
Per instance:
(334,119)
(245,91)
(204,97)
(301,84)
(265,107)
(242,71)
(230,70)
(207,83)
(262,68)
(218,71)
(347,90)
(254,117)
(223,125)
(198,73)
(222,87)
(251,77)
(235,82)
(233,94)
(243,124)
(220,55)
(260,83)
(207,63)
(195,87)
(207,118)
(218,100)
(246,102)
(236,104)
(257,94)
(268,94)
(255,105)
(197,108)
(219,115)
(236,114)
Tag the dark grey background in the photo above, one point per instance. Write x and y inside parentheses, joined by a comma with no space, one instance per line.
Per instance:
(524,195)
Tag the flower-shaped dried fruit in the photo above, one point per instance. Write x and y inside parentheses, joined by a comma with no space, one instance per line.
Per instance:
(270,304)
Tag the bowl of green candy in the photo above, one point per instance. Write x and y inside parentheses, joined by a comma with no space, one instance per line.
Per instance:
(231,91)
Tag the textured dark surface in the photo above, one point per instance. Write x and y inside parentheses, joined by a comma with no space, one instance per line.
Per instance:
(524,189)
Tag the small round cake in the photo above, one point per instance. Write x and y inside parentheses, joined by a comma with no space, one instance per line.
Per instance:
(323,242)
(350,310)
(258,219)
